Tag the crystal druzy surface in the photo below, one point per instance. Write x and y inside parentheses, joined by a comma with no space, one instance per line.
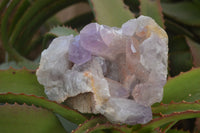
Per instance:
(118,72)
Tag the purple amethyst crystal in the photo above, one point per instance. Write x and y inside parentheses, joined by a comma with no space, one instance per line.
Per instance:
(102,40)
(77,54)
(91,40)
(118,72)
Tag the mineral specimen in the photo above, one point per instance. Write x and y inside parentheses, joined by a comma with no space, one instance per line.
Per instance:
(118,72)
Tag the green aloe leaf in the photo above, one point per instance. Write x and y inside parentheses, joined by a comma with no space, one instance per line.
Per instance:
(13,54)
(7,65)
(39,19)
(22,7)
(28,119)
(175,107)
(25,19)
(164,128)
(111,12)
(164,119)
(19,65)
(195,50)
(62,31)
(183,12)
(90,124)
(20,81)
(185,84)
(152,8)
(62,110)
(107,126)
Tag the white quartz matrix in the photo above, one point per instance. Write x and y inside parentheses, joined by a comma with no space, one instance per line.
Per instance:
(117,72)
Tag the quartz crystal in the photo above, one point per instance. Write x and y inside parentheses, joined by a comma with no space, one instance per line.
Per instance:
(126,111)
(77,54)
(117,72)
(102,40)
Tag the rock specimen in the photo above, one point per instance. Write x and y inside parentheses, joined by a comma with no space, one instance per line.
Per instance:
(118,72)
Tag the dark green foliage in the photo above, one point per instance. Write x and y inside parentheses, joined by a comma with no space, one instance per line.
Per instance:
(183,12)
(180,57)
(80,21)
(27,27)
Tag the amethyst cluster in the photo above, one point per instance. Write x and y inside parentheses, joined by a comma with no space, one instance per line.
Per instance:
(118,72)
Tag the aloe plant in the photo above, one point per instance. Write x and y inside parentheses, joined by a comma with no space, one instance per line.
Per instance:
(24,30)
